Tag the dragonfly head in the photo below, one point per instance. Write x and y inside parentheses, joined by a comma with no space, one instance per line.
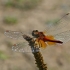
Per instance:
(35,33)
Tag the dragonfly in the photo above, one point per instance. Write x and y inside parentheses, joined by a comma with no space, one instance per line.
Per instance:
(41,39)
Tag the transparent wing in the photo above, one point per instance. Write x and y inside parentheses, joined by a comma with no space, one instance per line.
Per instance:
(64,36)
(14,34)
(25,48)
(55,27)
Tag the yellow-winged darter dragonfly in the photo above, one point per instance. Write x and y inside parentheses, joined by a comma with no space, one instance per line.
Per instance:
(41,39)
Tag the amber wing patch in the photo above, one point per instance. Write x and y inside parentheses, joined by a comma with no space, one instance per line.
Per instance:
(41,43)
(50,38)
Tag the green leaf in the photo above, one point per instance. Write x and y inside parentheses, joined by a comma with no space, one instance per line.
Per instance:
(10,20)
(3,56)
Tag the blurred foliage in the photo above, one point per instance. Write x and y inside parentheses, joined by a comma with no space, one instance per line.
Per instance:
(3,56)
(10,20)
(52,22)
(22,4)
(8,4)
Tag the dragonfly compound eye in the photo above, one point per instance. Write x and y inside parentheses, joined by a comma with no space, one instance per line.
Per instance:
(36,30)
(35,33)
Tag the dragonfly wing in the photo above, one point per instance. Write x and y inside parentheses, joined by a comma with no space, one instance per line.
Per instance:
(14,34)
(25,48)
(64,36)
(53,27)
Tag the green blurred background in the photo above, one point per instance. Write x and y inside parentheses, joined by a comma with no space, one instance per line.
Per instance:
(25,16)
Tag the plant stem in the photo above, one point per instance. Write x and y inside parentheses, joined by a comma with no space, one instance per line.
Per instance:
(37,54)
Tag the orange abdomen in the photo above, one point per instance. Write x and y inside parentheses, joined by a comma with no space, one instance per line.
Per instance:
(51,39)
